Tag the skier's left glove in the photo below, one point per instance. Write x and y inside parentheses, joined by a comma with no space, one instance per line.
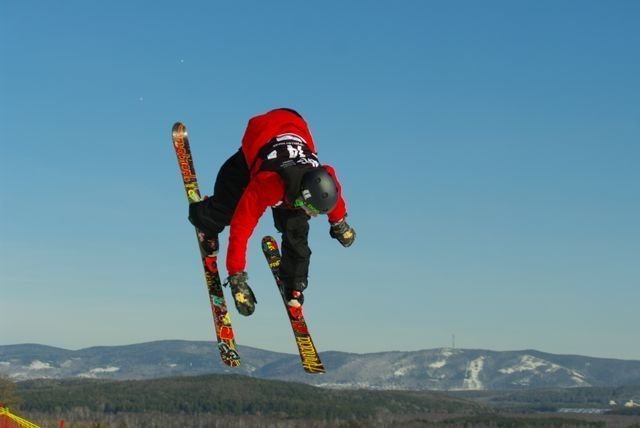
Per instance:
(344,233)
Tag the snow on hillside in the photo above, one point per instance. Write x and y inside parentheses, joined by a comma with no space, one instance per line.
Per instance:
(94,373)
(435,369)
(472,376)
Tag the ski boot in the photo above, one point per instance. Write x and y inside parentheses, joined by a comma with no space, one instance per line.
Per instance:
(242,294)
(295,299)
(209,244)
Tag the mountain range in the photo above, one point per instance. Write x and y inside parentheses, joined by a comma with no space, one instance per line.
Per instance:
(434,369)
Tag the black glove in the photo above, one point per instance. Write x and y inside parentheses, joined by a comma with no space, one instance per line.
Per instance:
(344,233)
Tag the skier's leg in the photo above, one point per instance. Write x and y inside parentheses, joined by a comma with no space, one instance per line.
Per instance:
(296,254)
(214,214)
(231,181)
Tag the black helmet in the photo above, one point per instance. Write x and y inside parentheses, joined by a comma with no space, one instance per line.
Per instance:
(319,190)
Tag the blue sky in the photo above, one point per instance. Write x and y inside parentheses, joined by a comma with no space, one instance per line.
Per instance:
(488,152)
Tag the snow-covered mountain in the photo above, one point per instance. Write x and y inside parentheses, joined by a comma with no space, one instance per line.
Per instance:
(435,369)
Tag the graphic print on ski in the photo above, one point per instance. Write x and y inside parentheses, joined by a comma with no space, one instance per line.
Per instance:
(221,320)
(310,360)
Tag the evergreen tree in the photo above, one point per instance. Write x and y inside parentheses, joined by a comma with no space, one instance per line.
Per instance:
(8,393)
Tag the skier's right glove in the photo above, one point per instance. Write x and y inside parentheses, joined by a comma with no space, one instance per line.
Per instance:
(344,233)
(242,294)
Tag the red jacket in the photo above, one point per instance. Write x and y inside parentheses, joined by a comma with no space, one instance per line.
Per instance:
(266,188)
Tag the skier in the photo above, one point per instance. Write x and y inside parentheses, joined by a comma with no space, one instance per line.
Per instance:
(275,167)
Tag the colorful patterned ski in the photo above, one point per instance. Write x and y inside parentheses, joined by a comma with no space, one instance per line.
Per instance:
(221,320)
(310,360)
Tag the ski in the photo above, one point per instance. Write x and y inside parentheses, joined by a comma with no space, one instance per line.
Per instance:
(310,360)
(221,320)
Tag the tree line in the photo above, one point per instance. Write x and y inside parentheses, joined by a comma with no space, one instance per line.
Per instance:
(239,401)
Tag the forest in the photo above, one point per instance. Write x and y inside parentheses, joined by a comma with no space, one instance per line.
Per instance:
(239,401)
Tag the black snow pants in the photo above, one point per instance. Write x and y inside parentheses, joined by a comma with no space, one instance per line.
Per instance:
(296,254)
(215,213)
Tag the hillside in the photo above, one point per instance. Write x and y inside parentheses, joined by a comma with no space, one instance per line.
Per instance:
(435,369)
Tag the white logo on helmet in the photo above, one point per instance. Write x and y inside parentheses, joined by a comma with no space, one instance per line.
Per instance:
(306,194)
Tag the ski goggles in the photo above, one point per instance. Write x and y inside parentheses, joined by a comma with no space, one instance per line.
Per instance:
(307,207)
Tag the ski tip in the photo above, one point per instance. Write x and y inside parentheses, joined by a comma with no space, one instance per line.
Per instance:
(269,239)
(179,130)
(269,243)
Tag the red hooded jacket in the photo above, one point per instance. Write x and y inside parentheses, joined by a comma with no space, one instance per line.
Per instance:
(267,188)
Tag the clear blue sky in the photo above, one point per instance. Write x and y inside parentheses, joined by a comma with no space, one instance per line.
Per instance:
(488,151)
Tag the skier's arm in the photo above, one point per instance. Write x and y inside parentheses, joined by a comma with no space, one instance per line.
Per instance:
(340,229)
(340,211)
(264,190)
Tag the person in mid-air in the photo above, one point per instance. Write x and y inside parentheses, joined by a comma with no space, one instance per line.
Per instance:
(276,167)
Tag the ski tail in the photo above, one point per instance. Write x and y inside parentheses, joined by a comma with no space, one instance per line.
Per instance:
(311,362)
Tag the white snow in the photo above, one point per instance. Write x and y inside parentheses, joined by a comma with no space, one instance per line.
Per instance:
(523,382)
(530,363)
(580,382)
(471,380)
(67,364)
(577,374)
(631,403)
(93,373)
(105,369)
(402,371)
(578,378)
(438,364)
(346,385)
(447,353)
(39,365)
(18,376)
